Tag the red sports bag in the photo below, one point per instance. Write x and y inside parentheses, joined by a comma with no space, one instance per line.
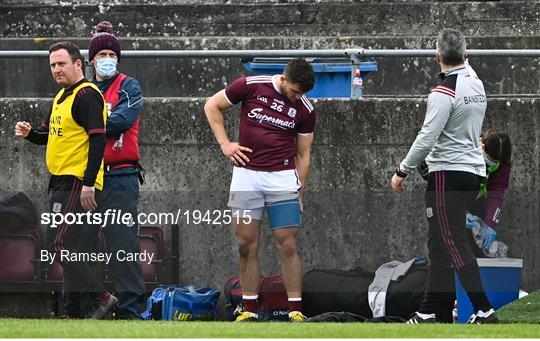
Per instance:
(273,303)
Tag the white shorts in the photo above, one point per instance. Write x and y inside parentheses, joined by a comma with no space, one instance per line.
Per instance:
(253,190)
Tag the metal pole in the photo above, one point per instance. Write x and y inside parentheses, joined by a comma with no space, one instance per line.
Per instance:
(348,53)
(195,53)
(431,53)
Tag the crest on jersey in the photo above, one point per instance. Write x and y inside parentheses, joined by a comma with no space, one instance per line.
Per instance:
(292,112)
(57,207)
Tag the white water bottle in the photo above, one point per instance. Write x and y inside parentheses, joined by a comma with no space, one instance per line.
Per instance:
(357,85)
(455,313)
(479,231)
(497,249)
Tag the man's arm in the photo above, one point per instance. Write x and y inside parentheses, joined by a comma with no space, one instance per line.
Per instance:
(38,136)
(438,111)
(127,109)
(214,108)
(303,158)
(87,111)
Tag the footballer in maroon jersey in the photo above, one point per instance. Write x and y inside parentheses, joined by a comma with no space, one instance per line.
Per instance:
(271,167)
(269,121)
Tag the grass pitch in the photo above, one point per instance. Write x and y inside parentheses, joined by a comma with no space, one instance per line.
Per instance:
(159,329)
(525,310)
(521,319)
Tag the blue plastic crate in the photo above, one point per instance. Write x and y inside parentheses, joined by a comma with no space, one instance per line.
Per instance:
(332,80)
(501,278)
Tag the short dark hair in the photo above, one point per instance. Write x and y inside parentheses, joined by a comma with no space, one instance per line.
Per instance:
(498,147)
(299,71)
(72,49)
(451,46)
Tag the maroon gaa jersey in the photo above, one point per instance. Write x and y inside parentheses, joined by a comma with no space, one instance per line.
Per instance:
(269,122)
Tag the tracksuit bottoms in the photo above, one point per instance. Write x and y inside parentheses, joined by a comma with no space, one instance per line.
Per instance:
(448,197)
(79,276)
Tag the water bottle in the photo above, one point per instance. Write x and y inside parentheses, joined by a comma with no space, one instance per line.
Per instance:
(497,249)
(479,231)
(455,313)
(357,85)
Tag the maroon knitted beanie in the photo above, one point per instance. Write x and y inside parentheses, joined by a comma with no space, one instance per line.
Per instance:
(103,39)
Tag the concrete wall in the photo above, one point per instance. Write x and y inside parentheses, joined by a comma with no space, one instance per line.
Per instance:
(167,77)
(266,24)
(352,218)
(411,18)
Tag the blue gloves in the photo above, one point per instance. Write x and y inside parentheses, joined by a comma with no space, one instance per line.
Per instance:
(470,221)
(489,238)
(483,234)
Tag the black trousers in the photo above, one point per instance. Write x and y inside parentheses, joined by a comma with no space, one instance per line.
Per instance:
(121,193)
(79,276)
(448,197)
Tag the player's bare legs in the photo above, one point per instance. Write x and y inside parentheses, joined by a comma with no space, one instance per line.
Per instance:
(291,266)
(247,236)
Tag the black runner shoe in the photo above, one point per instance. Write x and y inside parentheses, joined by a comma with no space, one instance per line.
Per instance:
(417,319)
(489,318)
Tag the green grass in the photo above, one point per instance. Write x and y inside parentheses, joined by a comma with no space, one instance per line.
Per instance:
(157,329)
(521,319)
(525,310)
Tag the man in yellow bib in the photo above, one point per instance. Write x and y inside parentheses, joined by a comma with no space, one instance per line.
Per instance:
(75,139)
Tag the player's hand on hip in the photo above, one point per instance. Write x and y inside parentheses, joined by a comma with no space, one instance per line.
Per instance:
(235,152)
(88,201)
(22,129)
(397,183)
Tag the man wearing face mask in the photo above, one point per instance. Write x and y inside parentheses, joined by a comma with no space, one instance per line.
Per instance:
(124,99)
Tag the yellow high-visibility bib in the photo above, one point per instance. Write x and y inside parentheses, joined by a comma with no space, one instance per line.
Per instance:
(68,143)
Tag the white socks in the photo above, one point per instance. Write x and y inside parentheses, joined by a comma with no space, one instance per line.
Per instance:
(481,313)
(425,316)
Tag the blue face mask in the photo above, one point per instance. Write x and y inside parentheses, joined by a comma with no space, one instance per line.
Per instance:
(106,67)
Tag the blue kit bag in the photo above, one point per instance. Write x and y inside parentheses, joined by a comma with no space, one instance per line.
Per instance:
(181,303)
